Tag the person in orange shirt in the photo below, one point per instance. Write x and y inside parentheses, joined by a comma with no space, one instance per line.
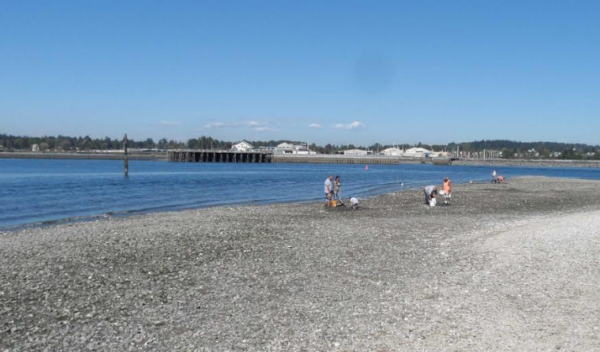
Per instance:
(447,187)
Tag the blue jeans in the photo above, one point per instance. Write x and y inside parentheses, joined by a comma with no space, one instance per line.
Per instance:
(426,196)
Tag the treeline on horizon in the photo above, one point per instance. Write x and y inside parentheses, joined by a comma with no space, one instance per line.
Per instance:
(509,148)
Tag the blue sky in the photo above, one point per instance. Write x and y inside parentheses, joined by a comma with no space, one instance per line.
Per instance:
(318,71)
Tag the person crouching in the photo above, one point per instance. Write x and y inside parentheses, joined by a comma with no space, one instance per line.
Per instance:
(354,202)
(430,193)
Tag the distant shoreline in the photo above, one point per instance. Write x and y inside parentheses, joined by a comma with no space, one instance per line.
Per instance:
(163,157)
(528,163)
(83,156)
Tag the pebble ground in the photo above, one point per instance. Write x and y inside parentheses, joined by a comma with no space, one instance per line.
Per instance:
(506,267)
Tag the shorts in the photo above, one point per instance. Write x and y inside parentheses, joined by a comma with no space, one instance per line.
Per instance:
(327,195)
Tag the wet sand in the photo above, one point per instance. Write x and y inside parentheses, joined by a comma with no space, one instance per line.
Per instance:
(505,267)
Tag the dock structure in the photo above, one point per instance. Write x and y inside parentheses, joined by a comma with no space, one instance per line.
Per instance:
(230,156)
(219,156)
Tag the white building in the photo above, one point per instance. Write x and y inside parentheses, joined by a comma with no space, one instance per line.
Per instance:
(354,152)
(533,152)
(392,152)
(418,153)
(286,145)
(305,151)
(289,148)
(242,146)
(35,148)
(286,148)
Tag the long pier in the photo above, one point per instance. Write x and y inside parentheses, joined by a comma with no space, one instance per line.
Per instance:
(218,156)
(228,156)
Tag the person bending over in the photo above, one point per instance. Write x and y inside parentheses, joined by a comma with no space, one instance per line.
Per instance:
(430,192)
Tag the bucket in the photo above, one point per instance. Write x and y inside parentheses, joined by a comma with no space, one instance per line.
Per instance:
(334,203)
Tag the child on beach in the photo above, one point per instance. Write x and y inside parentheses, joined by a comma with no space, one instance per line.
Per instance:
(447,187)
(354,202)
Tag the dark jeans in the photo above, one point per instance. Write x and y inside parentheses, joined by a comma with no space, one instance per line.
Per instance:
(426,197)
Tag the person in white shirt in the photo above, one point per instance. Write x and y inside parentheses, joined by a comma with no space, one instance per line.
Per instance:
(327,190)
(354,202)
(495,176)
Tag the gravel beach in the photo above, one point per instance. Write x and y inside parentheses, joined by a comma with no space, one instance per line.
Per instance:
(508,267)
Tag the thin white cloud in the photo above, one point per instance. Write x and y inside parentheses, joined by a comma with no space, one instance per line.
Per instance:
(167,123)
(314,125)
(252,124)
(350,126)
(264,129)
(215,125)
(355,124)
(218,124)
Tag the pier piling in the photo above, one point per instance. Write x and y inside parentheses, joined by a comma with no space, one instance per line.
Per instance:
(218,156)
(125,156)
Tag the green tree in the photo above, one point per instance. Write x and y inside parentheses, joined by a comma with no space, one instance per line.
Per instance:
(149,143)
(19,143)
(571,154)
(508,153)
(85,144)
(162,143)
(192,143)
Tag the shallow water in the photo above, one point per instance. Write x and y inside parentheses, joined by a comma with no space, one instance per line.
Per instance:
(34,191)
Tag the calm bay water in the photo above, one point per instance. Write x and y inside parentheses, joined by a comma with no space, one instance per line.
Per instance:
(34,191)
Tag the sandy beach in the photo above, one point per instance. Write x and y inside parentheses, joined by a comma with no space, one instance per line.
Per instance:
(509,267)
